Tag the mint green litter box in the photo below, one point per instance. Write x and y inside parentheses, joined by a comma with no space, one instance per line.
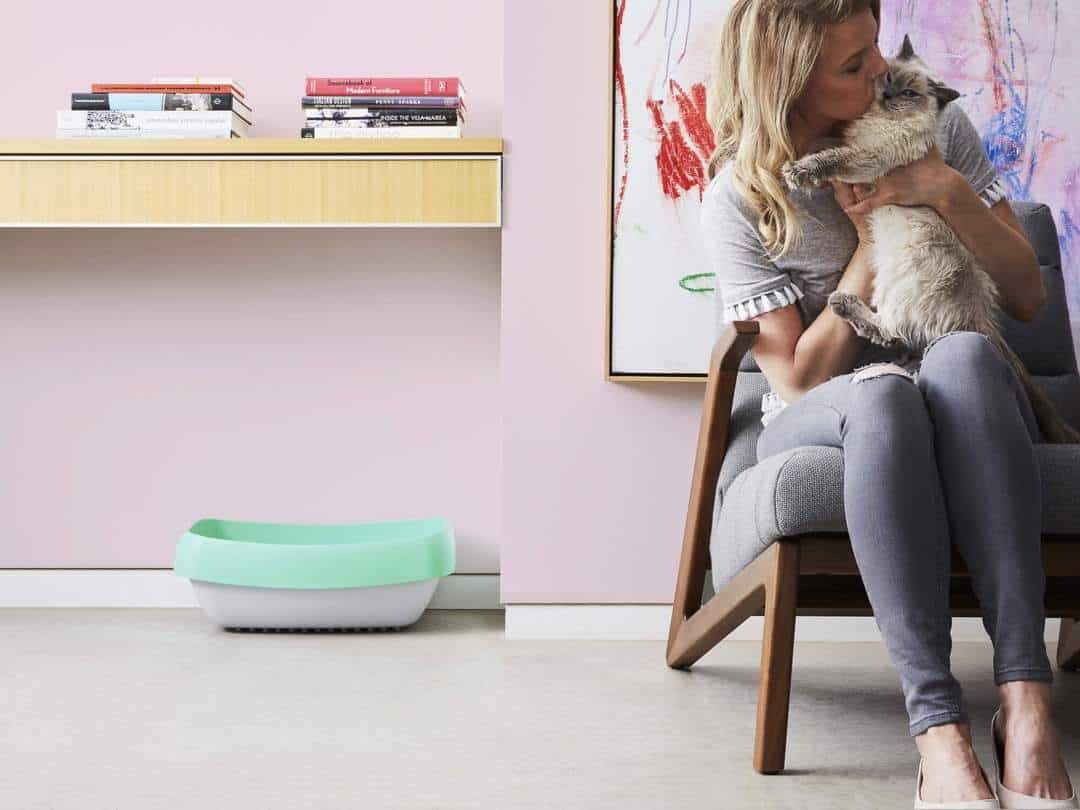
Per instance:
(293,576)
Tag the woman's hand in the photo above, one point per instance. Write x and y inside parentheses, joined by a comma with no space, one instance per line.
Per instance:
(849,195)
(924,182)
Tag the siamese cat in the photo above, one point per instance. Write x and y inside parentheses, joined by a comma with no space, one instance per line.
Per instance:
(926,281)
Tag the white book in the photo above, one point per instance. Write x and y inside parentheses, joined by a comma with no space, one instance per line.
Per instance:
(199,80)
(136,133)
(385,132)
(150,120)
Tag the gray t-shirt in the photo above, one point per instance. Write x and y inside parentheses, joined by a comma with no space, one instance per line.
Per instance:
(749,283)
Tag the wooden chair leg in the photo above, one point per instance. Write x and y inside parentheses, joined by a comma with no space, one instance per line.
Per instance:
(1068,647)
(774,690)
(694,634)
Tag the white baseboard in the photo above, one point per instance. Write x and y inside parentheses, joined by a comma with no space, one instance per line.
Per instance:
(651,622)
(161,588)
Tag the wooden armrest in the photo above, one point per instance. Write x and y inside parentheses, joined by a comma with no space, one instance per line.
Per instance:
(734,342)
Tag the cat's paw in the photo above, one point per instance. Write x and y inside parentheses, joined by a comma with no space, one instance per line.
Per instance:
(843,303)
(799,176)
(886,341)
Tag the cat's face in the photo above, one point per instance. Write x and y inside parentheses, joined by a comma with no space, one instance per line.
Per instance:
(909,86)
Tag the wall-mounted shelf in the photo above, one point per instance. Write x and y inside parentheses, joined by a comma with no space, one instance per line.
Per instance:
(251,182)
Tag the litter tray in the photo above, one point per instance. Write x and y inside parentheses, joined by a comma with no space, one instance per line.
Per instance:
(291,576)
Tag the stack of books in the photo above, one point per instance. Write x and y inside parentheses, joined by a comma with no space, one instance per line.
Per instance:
(377,107)
(164,107)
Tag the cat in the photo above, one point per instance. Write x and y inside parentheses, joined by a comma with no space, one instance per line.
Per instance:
(926,281)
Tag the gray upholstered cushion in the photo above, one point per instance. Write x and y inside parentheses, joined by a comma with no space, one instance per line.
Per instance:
(801,490)
(1045,344)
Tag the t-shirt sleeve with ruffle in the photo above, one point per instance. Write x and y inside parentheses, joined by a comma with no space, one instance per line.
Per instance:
(747,283)
(964,151)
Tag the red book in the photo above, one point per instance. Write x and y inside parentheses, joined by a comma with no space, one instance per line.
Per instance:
(378,86)
(165,88)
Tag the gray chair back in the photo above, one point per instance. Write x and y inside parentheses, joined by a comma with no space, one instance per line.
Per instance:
(1045,345)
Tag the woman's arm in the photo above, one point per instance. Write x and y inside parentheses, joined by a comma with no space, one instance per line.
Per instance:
(795,360)
(992,234)
(998,241)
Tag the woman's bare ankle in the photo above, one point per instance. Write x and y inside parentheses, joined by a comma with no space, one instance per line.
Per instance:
(1024,697)
(947,735)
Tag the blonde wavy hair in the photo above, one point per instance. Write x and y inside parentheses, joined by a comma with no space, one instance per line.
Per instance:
(763,62)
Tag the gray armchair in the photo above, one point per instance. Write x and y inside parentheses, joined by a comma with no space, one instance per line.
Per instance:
(773,533)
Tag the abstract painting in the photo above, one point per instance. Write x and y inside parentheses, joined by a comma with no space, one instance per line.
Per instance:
(1009,58)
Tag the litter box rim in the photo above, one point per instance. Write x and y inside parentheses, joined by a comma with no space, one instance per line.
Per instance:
(313,555)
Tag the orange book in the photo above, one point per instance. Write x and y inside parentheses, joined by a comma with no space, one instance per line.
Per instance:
(165,88)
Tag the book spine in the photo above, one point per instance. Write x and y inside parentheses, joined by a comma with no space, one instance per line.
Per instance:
(380,132)
(98,87)
(147,120)
(368,117)
(381,101)
(200,80)
(157,101)
(379,86)
(337,113)
(138,133)
(362,123)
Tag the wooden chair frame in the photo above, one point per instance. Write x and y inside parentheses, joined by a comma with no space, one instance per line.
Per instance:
(808,575)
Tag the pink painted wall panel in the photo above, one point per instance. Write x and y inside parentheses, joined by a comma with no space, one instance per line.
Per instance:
(151,377)
(268,47)
(596,474)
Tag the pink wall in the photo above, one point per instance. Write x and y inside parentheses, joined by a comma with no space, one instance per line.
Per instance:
(165,375)
(596,475)
(153,377)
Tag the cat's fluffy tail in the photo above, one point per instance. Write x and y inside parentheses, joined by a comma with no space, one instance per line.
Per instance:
(1054,429)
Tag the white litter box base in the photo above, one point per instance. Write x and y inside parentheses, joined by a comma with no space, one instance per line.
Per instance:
(242,607)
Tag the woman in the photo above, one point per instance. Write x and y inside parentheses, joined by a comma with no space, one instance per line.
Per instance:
(788,74)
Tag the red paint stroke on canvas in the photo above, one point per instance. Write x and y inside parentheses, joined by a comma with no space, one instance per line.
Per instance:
(678,164)
(1000,100)
(620,83)
(681,168)
(692,110)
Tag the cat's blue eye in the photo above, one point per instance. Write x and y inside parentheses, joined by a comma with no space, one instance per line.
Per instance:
(910,94)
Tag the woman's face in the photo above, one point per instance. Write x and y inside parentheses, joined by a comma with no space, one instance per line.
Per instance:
(841,85)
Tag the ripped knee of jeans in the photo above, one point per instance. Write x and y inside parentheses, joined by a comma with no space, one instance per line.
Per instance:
(941,337)
(868,372)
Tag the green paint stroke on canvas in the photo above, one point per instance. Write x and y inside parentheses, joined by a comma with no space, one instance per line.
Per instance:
(685,283)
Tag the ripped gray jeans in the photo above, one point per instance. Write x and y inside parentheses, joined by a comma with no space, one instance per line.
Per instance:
(936,450)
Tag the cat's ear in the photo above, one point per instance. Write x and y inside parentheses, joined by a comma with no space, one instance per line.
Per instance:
(906,50)
(942,93)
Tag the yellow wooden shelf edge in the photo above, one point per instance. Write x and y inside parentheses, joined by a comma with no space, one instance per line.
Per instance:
(252,146)
(408,182)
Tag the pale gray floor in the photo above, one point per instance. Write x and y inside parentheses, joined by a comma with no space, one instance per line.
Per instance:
(158,709)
